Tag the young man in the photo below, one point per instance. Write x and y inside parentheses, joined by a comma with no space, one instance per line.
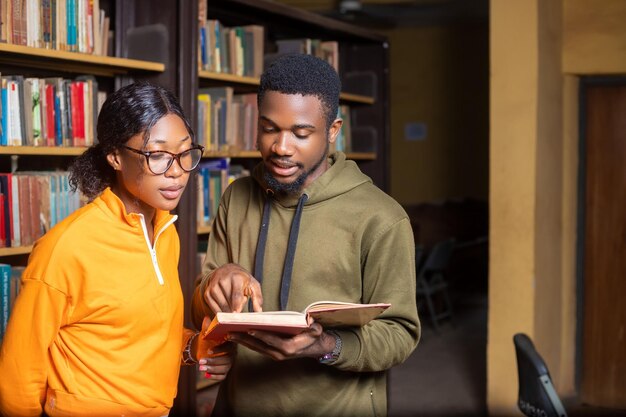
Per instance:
(306,227)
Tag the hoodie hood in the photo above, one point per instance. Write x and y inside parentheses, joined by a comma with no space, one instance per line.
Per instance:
(342,176)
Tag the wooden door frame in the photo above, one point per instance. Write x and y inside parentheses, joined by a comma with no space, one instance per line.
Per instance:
(584,84)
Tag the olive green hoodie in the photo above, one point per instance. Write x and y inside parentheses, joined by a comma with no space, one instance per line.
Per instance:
(354,244)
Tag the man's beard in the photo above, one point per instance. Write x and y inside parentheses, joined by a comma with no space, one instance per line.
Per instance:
(293,187)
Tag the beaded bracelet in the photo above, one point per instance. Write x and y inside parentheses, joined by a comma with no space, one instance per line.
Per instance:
(188,358)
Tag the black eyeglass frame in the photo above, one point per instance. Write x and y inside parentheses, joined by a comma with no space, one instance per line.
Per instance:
(175,156)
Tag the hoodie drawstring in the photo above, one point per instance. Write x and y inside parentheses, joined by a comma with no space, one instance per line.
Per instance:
(291,248)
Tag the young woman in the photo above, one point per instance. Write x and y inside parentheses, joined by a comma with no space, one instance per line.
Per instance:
(97,328)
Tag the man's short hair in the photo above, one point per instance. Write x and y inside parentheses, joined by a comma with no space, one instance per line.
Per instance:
(306,75)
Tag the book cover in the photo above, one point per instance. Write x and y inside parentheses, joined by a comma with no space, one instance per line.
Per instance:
(327,313)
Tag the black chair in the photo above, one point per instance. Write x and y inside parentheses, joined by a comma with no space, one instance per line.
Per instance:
(536,396)
(431,281)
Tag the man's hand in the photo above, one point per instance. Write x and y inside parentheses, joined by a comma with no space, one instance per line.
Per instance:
(229,288)
(313,343)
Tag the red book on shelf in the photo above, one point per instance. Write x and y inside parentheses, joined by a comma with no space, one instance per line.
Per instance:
(78,127)
(3,241)
(50,119)
(80,105)
(6,182)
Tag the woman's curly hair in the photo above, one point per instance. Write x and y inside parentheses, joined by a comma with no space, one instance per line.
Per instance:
(129,111)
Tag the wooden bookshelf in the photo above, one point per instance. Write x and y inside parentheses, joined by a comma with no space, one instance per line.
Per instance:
(238,80)
(350,98)
(19,250)
(204,230)
(42,150)
(228,78)
(54,60)
(231,154)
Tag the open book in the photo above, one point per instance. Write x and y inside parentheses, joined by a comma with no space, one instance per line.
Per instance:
(327,313)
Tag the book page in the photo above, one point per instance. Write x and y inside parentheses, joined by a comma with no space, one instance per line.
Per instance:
(342,314)
(338,305)
(282,317)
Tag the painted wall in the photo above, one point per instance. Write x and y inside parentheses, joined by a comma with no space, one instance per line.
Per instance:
(533,160)
(439,79)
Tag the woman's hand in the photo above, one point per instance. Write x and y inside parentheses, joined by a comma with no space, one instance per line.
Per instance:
(215,358)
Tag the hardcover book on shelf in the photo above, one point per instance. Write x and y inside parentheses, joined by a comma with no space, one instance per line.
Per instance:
(6,188)
(254,46)
(327,313)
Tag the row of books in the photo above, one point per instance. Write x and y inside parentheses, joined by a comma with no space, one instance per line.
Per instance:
(10,281)
(233,50)
(213,178)
(49,111)
(65,25)
(226,121)
(240,50)
(32,202)
(326,50)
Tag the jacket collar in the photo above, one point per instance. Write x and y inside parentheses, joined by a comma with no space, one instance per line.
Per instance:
(116,207)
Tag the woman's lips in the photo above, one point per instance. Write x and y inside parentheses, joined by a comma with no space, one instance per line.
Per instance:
(172,193)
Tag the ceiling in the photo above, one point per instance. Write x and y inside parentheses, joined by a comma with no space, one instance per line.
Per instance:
(386,14)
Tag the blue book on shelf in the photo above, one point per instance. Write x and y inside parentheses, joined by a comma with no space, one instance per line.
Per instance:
(53,200)
(203,46)
(71,25)
(57,121)
(205,191)
(5,297)
(5,117)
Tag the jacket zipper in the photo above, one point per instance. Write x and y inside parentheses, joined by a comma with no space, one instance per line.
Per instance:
(151,249)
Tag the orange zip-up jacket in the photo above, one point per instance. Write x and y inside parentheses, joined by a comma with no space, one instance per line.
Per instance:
(97,328)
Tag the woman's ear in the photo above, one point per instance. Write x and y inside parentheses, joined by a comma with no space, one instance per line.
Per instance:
(113,159)
(334,130)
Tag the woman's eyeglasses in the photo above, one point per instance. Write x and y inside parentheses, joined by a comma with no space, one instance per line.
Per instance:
(160,161)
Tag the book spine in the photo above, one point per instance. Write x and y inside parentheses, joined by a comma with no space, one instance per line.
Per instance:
(5,292)
(5,117)
(15,210)
(50,119)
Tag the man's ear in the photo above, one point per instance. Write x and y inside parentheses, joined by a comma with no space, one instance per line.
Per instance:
(113,159)
(334,130)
